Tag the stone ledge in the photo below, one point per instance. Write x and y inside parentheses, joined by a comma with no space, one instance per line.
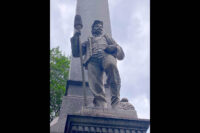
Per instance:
(91,124)
(108,112)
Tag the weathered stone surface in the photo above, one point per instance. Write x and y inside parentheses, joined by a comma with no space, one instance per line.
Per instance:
(76,89)
(73,104)
(125,105)
(108,112)
(105,125)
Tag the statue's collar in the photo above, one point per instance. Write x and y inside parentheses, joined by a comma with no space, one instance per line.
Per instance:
(98,36)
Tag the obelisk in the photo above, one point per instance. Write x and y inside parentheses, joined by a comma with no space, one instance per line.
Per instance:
(89,10)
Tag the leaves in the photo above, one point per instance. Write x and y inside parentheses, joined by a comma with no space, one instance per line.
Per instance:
(59,71)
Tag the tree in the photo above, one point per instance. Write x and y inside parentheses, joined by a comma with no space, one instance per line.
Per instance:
(59,70)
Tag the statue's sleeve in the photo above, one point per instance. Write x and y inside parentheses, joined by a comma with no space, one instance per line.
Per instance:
(120,53)
(75,46)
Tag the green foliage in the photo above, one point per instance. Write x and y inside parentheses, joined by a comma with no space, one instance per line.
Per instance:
(59,70)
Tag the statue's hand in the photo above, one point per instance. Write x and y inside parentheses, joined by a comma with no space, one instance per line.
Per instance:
(77,33)
(111,49)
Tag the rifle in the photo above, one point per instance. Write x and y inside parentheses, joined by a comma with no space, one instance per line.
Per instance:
(78,26)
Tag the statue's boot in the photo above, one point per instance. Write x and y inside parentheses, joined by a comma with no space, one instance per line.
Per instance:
(100,102)
(115,96)
(115,102)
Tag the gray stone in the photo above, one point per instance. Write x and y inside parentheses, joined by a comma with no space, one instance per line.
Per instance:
(105,125)
(72,103)
(108,112)
(125,105)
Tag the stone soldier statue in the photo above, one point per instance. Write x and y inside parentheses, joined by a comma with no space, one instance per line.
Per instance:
(101,54)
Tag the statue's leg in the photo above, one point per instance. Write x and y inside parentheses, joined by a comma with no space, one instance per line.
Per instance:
(113,78)
(95,79)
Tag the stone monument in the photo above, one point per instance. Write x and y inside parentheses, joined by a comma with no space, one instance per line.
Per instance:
(93,104)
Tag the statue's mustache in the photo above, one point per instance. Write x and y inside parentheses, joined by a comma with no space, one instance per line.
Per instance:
(98,29)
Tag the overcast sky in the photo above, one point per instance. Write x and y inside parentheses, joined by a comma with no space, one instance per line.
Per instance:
(130,23)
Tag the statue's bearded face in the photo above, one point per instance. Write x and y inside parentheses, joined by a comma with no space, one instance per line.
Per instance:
(97,29)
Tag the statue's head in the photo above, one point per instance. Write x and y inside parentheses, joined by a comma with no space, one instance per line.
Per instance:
(97,28)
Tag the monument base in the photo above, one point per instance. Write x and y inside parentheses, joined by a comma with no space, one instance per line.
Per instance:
(103,120)
(107,112)
(97,124)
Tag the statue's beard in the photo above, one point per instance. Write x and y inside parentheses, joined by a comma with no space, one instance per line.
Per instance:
(97,32)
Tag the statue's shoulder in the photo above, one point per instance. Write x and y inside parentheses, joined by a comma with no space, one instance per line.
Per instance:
(108,38)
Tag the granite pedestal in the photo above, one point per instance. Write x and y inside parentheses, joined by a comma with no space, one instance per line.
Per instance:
(91,124)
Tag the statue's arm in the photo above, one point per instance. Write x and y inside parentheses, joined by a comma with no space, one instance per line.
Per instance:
(119,54)
(75,46)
